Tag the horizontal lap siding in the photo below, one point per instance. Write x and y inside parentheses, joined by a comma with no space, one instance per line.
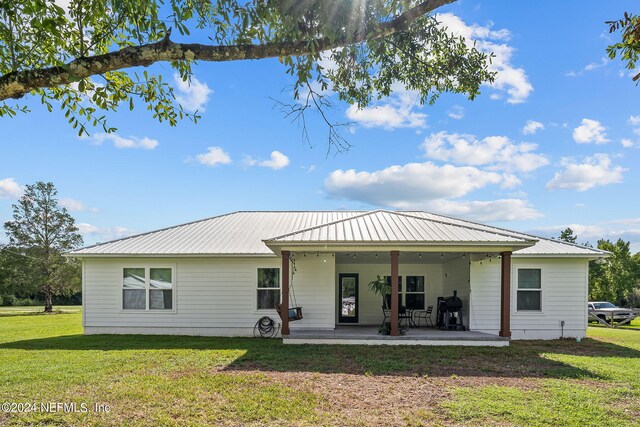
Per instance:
(564,297)
(456,278)
(313,286)
(485,297)
(210,293)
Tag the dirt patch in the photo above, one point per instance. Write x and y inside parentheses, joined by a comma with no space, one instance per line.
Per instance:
(382,400)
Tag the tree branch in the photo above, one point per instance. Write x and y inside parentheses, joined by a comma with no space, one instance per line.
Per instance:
(19,83)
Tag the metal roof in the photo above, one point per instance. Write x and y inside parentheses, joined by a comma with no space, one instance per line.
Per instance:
(245,233)
(386,226)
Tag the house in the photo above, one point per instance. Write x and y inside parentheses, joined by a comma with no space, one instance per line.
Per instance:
(218,276)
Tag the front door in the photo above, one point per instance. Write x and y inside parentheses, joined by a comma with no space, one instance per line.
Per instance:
(348,298)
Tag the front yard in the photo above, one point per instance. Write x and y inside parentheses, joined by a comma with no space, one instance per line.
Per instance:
(166,380)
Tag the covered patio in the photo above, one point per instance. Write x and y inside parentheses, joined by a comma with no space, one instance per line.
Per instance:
(389,239)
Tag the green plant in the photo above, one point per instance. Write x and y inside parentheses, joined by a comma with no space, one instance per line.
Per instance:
(382,288)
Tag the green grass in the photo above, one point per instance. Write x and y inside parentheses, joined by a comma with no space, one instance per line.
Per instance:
(38,310)
(169,380)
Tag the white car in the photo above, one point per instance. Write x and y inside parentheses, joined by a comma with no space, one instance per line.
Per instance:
(604,310)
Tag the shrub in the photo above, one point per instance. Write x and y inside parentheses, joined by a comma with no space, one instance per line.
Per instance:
(9,300)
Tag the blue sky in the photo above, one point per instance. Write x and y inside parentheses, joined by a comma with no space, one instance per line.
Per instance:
(554,143)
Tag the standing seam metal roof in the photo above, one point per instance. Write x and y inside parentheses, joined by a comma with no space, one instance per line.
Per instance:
(244,233)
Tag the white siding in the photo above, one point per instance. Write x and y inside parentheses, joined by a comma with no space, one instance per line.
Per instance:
(564,297)
(484,315)
(214,296)
(456,278)
(370,304)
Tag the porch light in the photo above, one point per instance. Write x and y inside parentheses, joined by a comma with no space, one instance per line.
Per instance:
(354,256)
(420,256)
(441,256)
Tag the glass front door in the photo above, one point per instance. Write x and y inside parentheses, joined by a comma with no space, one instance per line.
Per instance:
(348,298)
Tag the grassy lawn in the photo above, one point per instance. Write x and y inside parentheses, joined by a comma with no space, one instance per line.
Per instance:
(235,381)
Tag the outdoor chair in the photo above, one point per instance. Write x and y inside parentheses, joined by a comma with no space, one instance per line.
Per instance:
(387,315)
(426,315)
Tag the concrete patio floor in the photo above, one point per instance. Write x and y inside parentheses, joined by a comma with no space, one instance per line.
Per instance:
(368,335)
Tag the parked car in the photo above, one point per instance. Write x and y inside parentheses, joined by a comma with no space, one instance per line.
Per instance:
(604,310)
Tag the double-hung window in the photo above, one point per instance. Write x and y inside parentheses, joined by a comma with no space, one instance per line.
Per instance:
(147,288)
(529,297)
(268,288)
(414,295)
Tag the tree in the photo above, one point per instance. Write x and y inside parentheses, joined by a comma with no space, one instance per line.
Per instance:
(40,232)
(373,45)
(628,47)
(568,236)
(616,277)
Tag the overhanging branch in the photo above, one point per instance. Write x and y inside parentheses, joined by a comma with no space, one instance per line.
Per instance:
(17,84)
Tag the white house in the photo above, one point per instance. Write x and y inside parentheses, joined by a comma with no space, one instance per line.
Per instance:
(218,276)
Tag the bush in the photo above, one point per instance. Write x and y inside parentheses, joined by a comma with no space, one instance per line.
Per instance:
(9,301)
(24,302)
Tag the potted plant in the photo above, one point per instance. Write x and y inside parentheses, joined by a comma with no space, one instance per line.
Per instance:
(382,288)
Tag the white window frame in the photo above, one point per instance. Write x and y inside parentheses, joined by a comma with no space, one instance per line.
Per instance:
(424,292)
(256,289)
(147,288)
(541,290)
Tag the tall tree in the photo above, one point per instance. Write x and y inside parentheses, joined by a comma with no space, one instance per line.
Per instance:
(614,278)
(40,232)
(568,236)
(373,46)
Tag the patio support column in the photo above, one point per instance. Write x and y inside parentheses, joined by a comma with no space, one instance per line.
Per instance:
(285,293)
(505,295)
(395,331)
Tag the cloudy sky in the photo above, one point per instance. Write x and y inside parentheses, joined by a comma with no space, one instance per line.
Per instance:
(553,142)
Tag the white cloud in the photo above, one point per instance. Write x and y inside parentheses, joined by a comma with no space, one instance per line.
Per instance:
(634,120)
(485,211)
(627,143)
(430,187)
(499,152)
(593,171)
(10,189)
(277,161)
(120,142)
(193,95)
(531,127)
(589,67)
(590,131)
(92,233)
(413,182)
(456,112)
(73,205)
(397,112)
(510,79)
(214,156)
(627,229)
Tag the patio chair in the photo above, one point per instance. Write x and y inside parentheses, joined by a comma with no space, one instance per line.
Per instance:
(405,314)
(426,315)
(387,315)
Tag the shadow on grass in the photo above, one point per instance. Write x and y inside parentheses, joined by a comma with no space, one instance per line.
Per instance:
(520,359)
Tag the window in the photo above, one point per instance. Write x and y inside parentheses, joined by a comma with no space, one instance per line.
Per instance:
(268,288)
(529,296)
(414,296)
(147,288)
